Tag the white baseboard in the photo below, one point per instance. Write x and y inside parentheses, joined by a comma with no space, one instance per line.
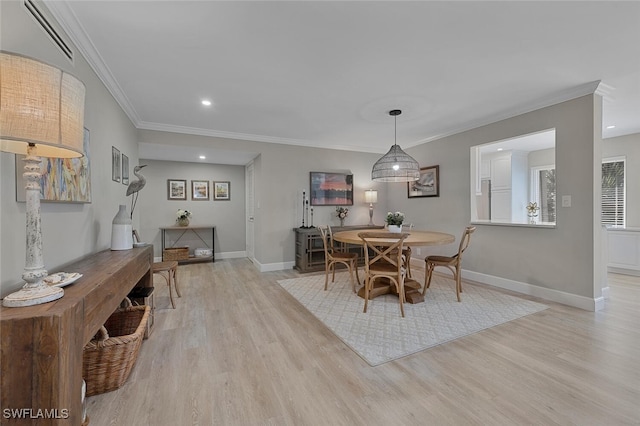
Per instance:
(270,267)
(231,255)
(532,290)
(582,302)
(624,271)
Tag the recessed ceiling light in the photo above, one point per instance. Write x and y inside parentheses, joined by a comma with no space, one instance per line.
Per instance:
(500,149)
(202,157)
(206,102)
(611,127)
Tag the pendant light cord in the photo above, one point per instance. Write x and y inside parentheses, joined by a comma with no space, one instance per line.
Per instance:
(395,130)
(395,113)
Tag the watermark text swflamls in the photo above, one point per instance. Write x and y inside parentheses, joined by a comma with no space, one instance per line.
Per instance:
(35,413)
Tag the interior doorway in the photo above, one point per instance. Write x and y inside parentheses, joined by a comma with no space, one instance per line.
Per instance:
(250,211)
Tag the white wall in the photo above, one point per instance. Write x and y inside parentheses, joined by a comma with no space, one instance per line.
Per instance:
(70,231)
(542,157)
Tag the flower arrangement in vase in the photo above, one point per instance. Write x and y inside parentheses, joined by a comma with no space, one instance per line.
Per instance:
(183,217)
(342,213)
(532,211)
(394,221)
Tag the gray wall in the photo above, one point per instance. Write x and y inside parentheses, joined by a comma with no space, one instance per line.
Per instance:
(70,231)
(563,258)
(281,174)
(228,216)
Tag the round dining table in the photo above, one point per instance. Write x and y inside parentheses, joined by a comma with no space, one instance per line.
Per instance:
(415,239)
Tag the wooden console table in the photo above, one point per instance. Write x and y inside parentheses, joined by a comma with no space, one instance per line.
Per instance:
(194,229)
(41,347)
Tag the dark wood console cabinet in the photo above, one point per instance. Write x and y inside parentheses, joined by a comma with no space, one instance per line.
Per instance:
(41,347)
(310,252)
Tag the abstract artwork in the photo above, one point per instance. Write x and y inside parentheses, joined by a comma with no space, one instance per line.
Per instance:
(63,180)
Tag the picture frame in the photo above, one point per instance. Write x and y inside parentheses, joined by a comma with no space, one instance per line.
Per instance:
(331,189)
(428,185)
(115,164)
(62,180)
(176,189)
(200,190)
(222,190)
(125,170)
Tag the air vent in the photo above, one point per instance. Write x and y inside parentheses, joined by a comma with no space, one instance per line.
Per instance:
(48,28)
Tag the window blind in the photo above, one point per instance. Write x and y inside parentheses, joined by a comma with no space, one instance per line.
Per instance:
(613,192)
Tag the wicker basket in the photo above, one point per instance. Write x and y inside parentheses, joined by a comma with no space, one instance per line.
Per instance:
(108,360)
(175,253)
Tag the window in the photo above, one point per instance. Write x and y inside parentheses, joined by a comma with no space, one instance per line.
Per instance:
(613,191)
(543,191)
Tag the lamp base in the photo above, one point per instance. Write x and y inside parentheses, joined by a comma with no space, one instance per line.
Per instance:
(29,296)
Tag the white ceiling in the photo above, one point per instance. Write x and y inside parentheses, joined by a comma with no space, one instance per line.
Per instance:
(326,73)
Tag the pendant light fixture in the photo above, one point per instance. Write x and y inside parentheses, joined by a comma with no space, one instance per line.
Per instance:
(396,165)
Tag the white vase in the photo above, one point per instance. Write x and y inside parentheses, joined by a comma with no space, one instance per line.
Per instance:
(396,229)
(121,230)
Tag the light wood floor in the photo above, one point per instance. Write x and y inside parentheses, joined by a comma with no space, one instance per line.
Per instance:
(239,350)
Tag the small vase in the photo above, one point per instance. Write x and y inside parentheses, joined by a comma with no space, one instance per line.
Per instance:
(183,222)
(341,222)
(395,229)
(121,230)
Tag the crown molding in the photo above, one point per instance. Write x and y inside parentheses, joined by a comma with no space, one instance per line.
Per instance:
(145,125)
(76,32)
(245,136)
(605,91)
(558,97)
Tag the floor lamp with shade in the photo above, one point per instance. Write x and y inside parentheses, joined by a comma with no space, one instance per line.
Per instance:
(41,115)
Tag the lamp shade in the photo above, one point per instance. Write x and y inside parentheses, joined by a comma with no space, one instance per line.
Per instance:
(371,196)
(396,166)
(40,105)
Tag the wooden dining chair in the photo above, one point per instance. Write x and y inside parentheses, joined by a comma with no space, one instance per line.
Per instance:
(332,256)
(384,259)
(406,251)
(453,263)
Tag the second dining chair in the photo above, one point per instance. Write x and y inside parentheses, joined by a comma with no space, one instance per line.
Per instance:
(384,259)
(453,263)
(332,256)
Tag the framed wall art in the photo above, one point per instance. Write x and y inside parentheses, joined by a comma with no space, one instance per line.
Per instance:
(125,170)
(222,190)
(115,164)
(176,189)
(331,189)
(199,190)
(62,180)
(428,185)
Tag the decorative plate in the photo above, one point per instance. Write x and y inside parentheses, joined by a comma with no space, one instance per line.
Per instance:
(61,279)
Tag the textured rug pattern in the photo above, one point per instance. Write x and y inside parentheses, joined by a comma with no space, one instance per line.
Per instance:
(382,335)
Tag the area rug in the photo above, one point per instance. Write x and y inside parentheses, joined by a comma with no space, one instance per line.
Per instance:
(382,335)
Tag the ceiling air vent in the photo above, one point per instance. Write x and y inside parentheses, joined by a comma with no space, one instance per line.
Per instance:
(45,23)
